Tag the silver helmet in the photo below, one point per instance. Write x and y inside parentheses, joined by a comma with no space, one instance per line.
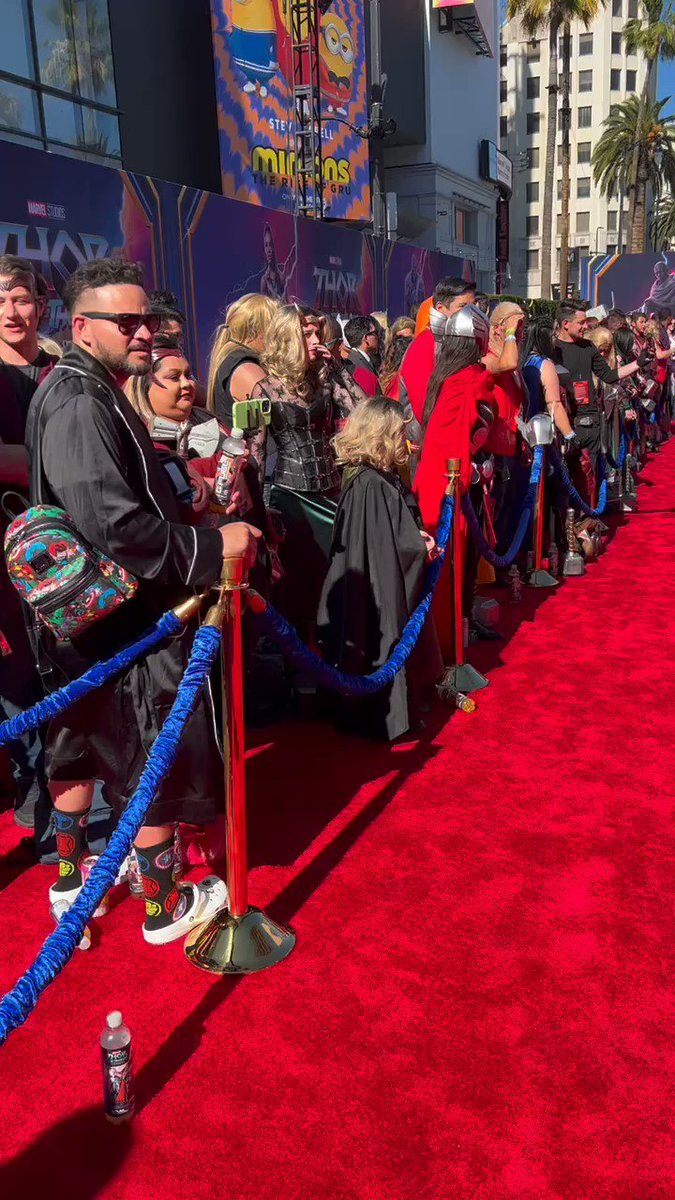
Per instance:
(466,322)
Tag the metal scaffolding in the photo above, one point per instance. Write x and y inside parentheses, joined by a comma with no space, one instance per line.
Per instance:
(307,108)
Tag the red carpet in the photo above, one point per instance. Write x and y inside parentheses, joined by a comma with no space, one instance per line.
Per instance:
(481,1003)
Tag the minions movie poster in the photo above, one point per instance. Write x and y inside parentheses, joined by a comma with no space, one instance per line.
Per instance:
(254,85)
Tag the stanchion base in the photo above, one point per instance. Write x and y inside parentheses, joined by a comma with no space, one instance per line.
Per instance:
(540,579)
(230,945)
(629,503)
(464,679)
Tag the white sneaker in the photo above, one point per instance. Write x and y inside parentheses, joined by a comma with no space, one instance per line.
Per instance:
(208,897)
(70,896)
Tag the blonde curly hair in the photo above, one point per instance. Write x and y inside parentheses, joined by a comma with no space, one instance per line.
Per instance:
(285,355)
(247,321)
(374,435)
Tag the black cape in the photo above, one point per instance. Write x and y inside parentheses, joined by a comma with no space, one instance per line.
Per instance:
(374,583)
(91,454)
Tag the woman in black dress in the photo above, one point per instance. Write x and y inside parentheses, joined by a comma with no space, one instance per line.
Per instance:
(378,560)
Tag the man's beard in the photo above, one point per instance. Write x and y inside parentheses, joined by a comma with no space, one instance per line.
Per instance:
(119,364)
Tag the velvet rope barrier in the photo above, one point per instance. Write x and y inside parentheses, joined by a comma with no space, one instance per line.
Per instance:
(574,495)
(486,551)
(60,946)
(52,706)
(278,628)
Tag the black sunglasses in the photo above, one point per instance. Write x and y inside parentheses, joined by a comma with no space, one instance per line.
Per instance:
(128,323)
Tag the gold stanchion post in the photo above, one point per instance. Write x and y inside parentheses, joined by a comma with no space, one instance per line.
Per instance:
(461,678)
(239,939)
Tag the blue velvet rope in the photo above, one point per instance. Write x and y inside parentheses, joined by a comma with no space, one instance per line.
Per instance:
(278,628)
(490,555)
(572,492)
(60,946)
(52,706)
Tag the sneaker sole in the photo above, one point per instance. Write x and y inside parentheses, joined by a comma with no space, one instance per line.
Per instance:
(198,915)
(71,896)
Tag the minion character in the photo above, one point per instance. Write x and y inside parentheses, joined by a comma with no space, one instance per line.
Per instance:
(336,49)
(253,42)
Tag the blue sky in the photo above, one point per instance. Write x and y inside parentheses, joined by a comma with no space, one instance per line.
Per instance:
(667,85)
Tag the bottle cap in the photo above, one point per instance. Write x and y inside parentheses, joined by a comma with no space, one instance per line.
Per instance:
(237,432)
(114,1020)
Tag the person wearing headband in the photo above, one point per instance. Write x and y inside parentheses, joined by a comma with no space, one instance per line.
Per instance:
(450,295)
(460,405)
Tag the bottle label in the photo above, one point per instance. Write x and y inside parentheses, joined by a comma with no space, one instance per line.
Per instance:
(118,1081)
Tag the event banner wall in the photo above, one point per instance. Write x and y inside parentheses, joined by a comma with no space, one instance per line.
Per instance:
(631,281)
(254,86)
(209,250)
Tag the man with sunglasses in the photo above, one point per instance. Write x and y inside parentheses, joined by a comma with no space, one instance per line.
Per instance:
(92,456)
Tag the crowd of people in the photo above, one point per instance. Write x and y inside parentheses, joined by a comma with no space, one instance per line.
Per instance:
(348,428)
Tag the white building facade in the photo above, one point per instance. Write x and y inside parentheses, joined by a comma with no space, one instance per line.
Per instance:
(603,74)
(443,203)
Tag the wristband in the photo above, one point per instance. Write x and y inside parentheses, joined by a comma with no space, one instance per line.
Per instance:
(570,437)
(510,337)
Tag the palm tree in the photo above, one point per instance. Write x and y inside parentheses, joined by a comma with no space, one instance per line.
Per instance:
(636,128)
(663,223)
(653,37)
(539,16)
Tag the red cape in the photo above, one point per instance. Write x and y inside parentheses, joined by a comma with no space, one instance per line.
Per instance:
(448,435)
(417,369)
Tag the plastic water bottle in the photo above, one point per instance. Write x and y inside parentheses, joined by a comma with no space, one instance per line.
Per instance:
(230,466)
(464,703)
(118,1070)
(515,586)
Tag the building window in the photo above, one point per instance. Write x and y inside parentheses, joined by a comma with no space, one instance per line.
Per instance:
(617,8)
(612,218)
(632,10)
(503,90)
(503,127)
(560,189)
(617,46)
(584,118)
(615,80)
(502,55)
(584,187)
(631,81)
(611,247)
(533,158)
(533,260)
(583,152)
(533,52)
(57,85)
(533,86)
(585,81)
(585,43)
(532,226)
(533,122)
(583,222)
(465,226)
(532,191)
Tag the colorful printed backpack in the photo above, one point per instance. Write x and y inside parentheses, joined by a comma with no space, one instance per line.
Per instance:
(67,583)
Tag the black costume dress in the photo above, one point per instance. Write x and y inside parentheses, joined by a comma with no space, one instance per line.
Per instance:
(374,583)
(91,455)
(306,482)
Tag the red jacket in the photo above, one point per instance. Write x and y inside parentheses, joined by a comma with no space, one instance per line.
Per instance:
(448,435)
(417,369)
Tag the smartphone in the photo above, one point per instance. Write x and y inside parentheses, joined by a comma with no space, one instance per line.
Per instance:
(247,414)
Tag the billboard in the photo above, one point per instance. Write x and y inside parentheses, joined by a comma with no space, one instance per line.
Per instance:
(254,90)
(60,212)
(630,281)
